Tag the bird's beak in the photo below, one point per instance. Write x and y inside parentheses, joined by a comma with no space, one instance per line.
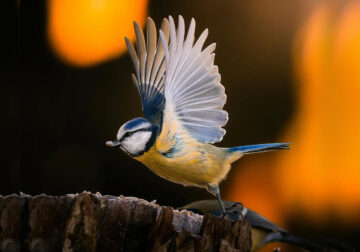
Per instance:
(113,143)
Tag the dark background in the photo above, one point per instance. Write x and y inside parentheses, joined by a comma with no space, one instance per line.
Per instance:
(57,117)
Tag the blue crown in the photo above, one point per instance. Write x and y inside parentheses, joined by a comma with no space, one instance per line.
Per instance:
(135,123)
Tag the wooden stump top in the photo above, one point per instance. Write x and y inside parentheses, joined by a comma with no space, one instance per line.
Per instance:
(93,222)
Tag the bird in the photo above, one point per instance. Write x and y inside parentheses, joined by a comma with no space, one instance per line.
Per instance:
(263,231)
(182,100)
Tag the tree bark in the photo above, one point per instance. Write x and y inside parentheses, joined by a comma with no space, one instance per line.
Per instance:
(92,222)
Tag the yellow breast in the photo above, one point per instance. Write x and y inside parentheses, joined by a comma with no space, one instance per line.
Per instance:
(192,164)
(195,165)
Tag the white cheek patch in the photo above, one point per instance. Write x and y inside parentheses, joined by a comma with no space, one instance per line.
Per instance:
(136,143)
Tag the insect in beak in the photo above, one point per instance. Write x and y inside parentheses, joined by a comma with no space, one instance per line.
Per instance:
(113,143)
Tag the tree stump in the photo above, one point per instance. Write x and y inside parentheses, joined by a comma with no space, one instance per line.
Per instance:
(92,222)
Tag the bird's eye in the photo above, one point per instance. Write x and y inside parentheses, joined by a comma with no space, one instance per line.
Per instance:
(127,134)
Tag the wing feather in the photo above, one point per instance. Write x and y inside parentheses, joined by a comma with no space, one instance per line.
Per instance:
(158,68)
(133,56)
(176,75)
(193,92)
(150,47)
(141,48)
(187,48)
(148,61)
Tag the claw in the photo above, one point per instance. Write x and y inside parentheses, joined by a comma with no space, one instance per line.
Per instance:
(233,212)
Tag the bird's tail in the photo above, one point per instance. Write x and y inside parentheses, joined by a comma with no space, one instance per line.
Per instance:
(288,238)
(325,245)
(256,148)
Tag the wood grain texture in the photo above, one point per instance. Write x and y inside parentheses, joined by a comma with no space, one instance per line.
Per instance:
(93,222)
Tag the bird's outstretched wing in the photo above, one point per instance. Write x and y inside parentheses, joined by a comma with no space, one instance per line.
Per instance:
(178,83)
(193,92)
(150,67)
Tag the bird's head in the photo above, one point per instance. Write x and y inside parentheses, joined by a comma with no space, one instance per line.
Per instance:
(135,136)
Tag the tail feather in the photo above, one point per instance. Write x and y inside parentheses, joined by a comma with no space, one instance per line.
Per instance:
(288,238)
(249,149)
(325,245)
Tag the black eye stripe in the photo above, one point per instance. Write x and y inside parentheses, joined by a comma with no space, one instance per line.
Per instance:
(129,133)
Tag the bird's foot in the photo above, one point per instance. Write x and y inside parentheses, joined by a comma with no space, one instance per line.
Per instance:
(233,214)
(234,211)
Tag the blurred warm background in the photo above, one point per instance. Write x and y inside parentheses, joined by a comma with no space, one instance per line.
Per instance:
(291,70)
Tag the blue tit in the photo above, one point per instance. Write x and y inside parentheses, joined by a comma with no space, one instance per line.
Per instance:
(182,100)
(263,231)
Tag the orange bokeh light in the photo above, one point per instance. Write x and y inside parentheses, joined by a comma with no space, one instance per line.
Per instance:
(254,183)
(86,32)
(319,179)
(256,187)
(322,173)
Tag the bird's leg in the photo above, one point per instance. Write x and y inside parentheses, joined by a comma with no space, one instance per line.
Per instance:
(232,210)
(216,192)
(223,210)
